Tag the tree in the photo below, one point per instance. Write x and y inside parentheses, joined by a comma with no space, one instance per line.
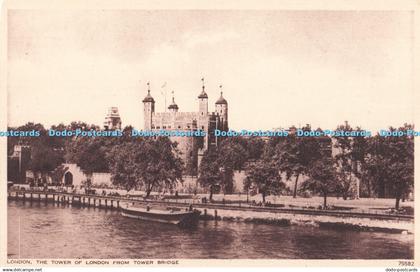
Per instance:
(28,141)
(123,162)
(350,154)
(264,176)
(255,148)
(209,171)
(46,155)
(295,154)
(89,153)
(390,164)
(321,178)
(160,165)
(219,163)
(147,163)
(231,156)
(44,159)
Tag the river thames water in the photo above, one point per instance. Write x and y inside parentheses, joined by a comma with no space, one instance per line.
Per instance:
(41,230)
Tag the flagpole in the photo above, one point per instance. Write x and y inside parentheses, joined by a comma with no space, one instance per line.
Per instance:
(164,86)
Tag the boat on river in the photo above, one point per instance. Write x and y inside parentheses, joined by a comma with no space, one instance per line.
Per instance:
(175,216)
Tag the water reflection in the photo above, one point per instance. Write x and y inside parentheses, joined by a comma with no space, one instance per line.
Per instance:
(42,230)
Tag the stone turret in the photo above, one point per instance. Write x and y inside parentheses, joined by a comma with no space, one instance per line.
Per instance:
(112,119)
(203,99)
(222,110)
(173,107)
(149,109)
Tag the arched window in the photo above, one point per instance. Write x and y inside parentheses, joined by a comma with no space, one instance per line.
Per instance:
(68,179)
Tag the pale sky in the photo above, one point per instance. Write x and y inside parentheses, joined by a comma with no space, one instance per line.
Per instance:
(277,68)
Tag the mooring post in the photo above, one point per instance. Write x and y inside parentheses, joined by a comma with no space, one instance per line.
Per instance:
(39,197)
(46,198)
(31,197)
(215,214)
(205,213)
(94,202)
(106,203)
(99,203)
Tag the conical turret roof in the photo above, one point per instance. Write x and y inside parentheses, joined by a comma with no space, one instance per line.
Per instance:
(221,99)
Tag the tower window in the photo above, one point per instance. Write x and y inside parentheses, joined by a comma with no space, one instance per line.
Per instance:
(179,126)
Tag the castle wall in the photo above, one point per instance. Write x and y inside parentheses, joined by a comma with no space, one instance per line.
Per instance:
(174,120)
(191,185)
(238,181)
(101,179)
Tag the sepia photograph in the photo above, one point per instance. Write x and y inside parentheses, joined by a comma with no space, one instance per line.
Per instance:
(217,134)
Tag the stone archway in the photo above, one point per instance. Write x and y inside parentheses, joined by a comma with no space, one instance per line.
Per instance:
(68,179)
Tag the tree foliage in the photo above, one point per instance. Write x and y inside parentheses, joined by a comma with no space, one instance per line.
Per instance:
(209,171)
(294,155)
(264,177)
(322,178)
(146,163)
(89,153)
(349,157)
(390,164)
